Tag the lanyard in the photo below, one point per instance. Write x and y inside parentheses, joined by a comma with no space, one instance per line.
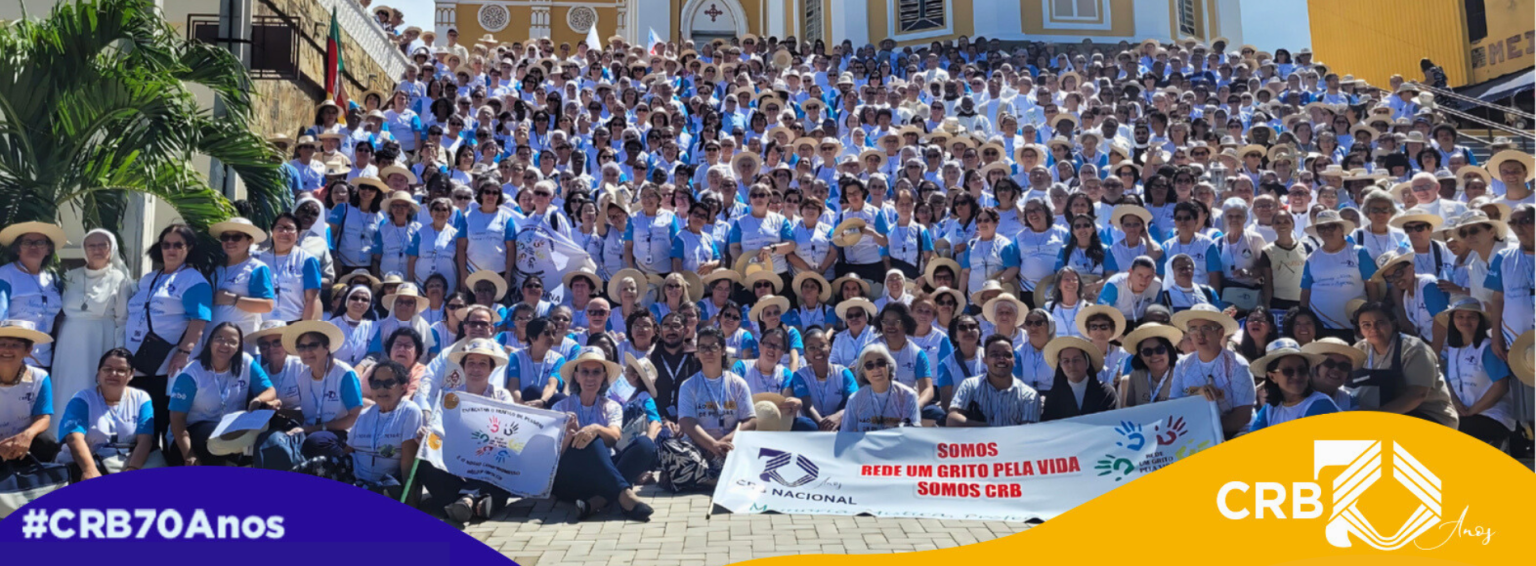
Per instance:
(672,370)
(719,398)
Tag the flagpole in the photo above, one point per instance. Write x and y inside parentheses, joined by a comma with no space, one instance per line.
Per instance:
(410,479)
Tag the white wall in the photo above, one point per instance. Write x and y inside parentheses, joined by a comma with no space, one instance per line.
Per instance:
(850,21)
(652,14)
(1230,16)
(1270,25)
(997,19)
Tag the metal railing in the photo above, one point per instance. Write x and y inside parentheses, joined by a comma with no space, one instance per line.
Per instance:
(1523,139)
(364,30)
(1443,94)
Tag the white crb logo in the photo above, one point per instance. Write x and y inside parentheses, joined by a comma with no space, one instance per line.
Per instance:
(1363,467)
(1363,459)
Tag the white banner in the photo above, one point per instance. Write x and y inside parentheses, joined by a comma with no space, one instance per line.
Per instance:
(514,447)
(1018,473)
(550,255)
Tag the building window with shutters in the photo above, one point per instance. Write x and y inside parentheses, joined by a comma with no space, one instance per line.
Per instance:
(1477,20)
(920,15)
(1187,17)
(813,21)
(1069,10)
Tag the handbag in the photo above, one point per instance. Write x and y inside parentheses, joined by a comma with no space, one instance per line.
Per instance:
(153,351)
(24,481)
(1242,298)
(115,463)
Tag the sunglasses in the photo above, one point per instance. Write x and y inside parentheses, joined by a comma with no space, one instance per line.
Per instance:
(173,245)
(307,346)
(875,364)
(476,324)
(384,384)
(232,237)
(1158,350)
(1416,227)
(1341,366)
(1291,371)
(1034,322)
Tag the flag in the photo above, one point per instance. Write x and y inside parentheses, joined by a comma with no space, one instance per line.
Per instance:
(335,88)
(548,253)
(513,447)
(655,41)
(592,42)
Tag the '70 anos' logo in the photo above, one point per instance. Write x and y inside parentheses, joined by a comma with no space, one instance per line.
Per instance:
(1363,468)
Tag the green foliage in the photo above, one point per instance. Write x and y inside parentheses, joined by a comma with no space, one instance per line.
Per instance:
(94,103)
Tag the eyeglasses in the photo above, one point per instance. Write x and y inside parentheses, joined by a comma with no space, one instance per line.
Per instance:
(476,324)
(307,346)
(461,197)
(33,242)
(702,347)
(1158,350)
(875,364)
(1526,221)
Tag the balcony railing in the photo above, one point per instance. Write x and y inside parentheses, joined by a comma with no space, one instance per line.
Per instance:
(365,31)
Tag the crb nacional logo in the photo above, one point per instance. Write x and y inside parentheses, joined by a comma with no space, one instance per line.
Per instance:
(1364,463)
(778,468)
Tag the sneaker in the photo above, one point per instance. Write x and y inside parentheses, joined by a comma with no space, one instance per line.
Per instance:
(640,512)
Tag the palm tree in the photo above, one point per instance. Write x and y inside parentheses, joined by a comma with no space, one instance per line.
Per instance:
(94,104)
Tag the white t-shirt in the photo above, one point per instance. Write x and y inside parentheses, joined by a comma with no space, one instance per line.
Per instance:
(869,411)
(376,438)
(717,404)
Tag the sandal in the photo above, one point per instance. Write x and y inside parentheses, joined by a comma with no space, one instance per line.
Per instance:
(583,510)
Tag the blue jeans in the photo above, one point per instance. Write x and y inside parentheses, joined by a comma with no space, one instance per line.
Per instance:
(637,458)
(804,424)
(536,391)
(588,472)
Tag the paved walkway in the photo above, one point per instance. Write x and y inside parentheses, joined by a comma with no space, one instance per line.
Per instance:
(682,532)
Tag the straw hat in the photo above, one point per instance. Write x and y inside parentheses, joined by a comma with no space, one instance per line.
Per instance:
(268,328)
(858,303)
(584,273)
(934,265)
(1182,319)
(370,182)
(757,273)
(24,330)
(401,196)
(489,347)
(991,286)
(871,154)
(693,287)
(1462,303)
(491,276)
(1474,216)
(826,288)
(644,368)
(373,282)
(1523,158)
(1522,358)
(1279,349)
(708,281)
(943,249)
(1417,214)
(404,290)
(1473,171)
(1133,341)
(994,166)
(54,233)
(398,170)
(837,284)
(1056,345)
(1106,310)
(765,302)
(954,293)
(848,233)
(768,417)
(757,162)
(593,354)
(1121,210)
(1330,345)
(989,309)
(238,224)
(293,331)
(1330,217)
(773,132)
(1388,261)
(337,168)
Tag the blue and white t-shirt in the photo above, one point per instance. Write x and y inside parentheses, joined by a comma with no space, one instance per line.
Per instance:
(377,437)
(652,238)
(694,249)
(866,251)
(434,251)
(354,239)
(108,430)
(1315,404)
(392,244)
(1335,278)
(828,394)
(754,234)
(30,397)
(206,396)
(986,259)
(1512,272)
(717,404)
(173,301)
(293,274)
(33,298)
(487,234)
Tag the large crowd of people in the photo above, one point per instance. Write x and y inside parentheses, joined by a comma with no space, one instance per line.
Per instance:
(780,235)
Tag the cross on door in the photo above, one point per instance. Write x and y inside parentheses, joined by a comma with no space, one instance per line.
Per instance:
(713,12)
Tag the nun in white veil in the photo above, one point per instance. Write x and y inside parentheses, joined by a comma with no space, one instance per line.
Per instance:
(95,314)
(314,237)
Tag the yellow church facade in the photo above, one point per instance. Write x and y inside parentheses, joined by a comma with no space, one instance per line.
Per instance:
(1267,24)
